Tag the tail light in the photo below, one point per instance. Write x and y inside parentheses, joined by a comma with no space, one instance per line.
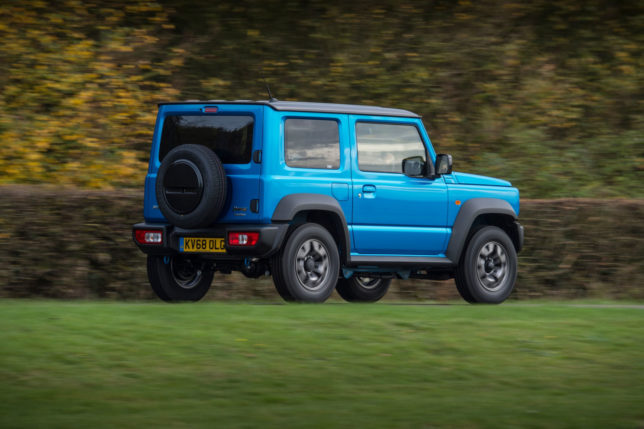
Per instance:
(148,236)
(243,238)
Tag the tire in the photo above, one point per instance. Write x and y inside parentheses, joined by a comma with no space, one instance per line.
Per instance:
(191,186)
(461,287)
(278,279)
(307,267)
(488,269)
(362,289)
(179,278)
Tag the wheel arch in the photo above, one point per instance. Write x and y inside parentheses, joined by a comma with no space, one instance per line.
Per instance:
(504,221)
(317,208)
(479,212)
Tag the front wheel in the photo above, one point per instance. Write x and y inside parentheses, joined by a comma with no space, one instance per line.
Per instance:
(179,278)
(488,269)
(362,289)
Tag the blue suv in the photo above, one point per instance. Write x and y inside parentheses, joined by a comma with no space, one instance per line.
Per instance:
(322,197)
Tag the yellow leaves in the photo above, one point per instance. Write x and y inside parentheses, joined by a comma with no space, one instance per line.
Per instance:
(9,136)
(33,157)
(463,16)
(142,7)
(76,110)
(55,19)
(71,137)
(627,69)
(92,143)
(175,62)
(214,82)
(122,48)
(143,37)
(113,16)
(12,170)
(42,144)
(158,19)
(76,101)
(96,183)
(128,155)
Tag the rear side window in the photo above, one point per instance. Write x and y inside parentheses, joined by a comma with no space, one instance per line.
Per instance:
(382,147)
(230,137)
(312,143)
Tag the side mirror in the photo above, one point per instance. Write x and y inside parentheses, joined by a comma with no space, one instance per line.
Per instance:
(443,164)
(414,166)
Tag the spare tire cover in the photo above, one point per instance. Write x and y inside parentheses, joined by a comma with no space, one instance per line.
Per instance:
(191,186)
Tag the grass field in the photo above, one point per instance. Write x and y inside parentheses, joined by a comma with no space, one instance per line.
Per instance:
(106,364)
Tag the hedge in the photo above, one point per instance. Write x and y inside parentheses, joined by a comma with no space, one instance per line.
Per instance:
(71,243)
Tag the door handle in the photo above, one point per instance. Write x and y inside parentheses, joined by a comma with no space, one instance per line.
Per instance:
(368,189)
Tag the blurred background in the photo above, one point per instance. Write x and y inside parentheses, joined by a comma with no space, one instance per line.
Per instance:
(548,95)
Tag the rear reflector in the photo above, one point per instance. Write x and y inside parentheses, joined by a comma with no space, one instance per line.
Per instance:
(147,236)
(210,109)
(243,238)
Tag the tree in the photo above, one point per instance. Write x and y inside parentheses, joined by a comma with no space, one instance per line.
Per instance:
(78,86)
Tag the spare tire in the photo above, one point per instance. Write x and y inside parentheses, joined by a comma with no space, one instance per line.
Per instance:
(191,186)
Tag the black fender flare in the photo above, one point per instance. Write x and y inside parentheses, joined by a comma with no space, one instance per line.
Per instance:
(469,212)
(290,205)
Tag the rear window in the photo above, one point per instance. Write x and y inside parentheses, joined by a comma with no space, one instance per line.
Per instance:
(230,137)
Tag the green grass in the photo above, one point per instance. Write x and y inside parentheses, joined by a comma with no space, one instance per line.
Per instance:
(105,364)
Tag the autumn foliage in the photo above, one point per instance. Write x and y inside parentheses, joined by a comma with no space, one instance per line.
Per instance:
(78,85)
(546,94)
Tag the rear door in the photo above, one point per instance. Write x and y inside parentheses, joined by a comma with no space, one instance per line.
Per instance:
(234,133)
(394,214)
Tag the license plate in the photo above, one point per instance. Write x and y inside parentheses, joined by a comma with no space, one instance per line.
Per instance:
(202,245)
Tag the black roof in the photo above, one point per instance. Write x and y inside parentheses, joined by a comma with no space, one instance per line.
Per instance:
(301,106)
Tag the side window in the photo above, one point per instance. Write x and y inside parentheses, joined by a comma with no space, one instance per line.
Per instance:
(312,143)
(382,147)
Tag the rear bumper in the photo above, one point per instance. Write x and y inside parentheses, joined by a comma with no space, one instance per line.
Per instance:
(270,239)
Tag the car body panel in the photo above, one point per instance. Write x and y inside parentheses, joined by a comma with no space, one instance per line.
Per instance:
(475,179)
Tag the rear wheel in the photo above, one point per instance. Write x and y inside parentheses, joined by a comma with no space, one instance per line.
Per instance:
(488,269)
(179,278)
(362,289)
(307,267)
